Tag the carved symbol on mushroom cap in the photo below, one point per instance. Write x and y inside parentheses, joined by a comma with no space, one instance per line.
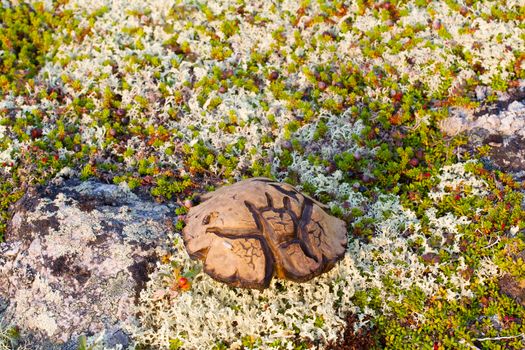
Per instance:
(253,230)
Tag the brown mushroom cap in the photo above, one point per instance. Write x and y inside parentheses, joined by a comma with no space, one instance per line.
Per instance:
(250,231)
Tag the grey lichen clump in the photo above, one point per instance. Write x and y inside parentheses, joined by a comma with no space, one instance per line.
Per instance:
(76,257)
(253,230)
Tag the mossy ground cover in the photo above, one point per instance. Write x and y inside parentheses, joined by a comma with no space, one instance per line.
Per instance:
(342,99)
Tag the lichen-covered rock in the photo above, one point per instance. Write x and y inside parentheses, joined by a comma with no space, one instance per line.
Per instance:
(250,231)
(75,258)
(500,125)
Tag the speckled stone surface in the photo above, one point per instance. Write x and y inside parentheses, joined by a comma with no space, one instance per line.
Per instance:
(75,258)
(499,124)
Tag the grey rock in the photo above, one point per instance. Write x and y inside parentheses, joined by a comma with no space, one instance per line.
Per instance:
(499,124)
(118,337)
(75,258)
(3,305)
(510,156)
(71,345)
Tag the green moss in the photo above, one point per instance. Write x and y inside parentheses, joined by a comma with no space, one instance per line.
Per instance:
(26,41)
(9,337)
(8,195)
(167,188)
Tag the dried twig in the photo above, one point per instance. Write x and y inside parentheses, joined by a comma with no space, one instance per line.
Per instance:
(502,338)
